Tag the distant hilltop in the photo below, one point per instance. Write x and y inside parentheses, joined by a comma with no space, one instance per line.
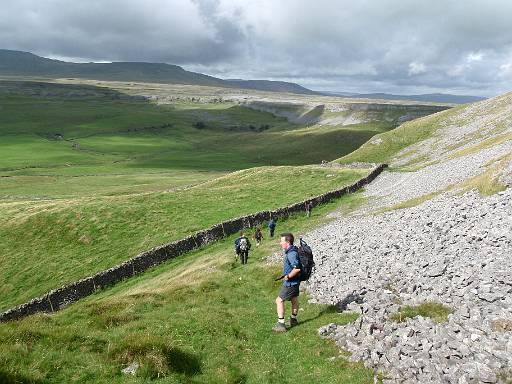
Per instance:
(18,63)
(429,97)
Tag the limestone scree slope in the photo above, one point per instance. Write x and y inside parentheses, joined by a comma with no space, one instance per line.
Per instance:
(436,229)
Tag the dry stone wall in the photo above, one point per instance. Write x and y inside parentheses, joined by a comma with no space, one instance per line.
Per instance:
(61,297)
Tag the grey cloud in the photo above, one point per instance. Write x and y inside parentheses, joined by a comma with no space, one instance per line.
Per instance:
(387,45)
(153,30)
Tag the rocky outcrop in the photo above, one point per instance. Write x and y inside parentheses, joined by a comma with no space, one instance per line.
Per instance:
(452,250)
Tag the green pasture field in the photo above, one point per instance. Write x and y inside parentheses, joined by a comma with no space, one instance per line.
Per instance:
(51,242)
(200,318)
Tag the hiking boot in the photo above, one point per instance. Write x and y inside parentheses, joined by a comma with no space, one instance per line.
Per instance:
(293,322)
(279,327)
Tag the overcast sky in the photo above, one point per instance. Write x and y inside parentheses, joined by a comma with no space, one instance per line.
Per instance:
(393,46)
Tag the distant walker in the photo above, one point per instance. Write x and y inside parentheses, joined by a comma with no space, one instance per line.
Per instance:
(272,227)
(308,206)
(242,247)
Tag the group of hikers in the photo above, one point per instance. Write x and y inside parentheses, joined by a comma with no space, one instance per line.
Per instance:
(297,266)
(243,244)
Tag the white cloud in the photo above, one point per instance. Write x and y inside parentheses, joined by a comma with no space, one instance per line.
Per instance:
(474,56)
(506,70)
(416,68)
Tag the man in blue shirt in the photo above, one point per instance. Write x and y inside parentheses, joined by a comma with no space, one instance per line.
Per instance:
(290,289)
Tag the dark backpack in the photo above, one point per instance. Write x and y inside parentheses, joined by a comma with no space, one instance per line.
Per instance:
(306,261)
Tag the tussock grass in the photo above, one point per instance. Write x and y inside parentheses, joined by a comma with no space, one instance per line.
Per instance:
(436,311)
(505,376)
(488,182)
(501,325)
(200,318)
(156,355)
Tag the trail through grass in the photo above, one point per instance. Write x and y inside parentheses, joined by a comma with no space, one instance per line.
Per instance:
(47,244)
(201,318)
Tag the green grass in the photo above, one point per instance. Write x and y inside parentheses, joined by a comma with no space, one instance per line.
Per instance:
(31,151)
(53,186)
(436,311)
(110,128)
(66,239)
(488,182)
(200,318)
(384,146)
(61,141)
(92,176)
(183,148)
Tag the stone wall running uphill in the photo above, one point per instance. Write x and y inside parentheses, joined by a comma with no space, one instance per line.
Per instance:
(67,294)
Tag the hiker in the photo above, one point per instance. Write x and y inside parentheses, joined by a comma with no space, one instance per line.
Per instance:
(290,289)
(242,247)
(272,227)
(258,236)
(308,206)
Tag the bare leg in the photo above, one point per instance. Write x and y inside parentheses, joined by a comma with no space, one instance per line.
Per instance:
(295,306)
(280,307)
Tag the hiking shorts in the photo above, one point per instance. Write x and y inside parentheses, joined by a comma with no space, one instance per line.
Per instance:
(287,293)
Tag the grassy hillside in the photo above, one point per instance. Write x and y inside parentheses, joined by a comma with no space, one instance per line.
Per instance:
(201,318)
(70,127)
(382,147)
(459,131)
(66,239)
(92,176)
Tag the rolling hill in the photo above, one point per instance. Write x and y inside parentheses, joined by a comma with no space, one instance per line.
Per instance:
(70,144)
(187,320)
(429,97)
(92,175)
(23,64)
